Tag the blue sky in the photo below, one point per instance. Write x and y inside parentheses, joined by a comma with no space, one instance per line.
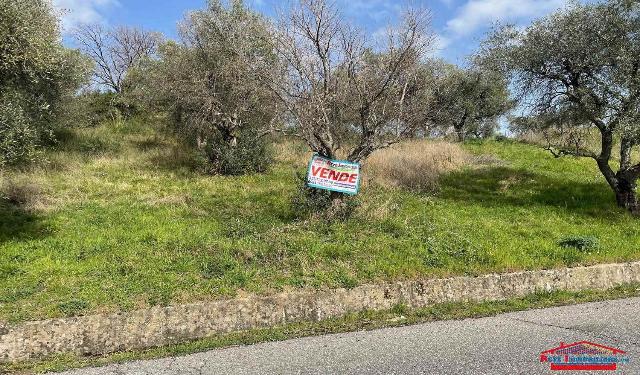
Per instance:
(458,24)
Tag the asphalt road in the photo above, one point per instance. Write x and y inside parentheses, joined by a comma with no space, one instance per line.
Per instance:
(505,344)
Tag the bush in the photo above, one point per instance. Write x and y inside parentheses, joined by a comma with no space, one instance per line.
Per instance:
(37,75)
(252,154)
(19,137)
(581,243)
(96,108)
(415,165)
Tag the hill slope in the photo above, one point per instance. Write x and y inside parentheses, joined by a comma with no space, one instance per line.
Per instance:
(119,219)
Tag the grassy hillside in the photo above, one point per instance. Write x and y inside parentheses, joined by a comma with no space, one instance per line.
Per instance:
(120,218)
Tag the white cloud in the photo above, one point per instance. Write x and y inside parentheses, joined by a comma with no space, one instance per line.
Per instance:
(440,43)
(479,13)
(76,12)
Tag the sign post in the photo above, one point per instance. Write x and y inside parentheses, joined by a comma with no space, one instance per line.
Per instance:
(334,175)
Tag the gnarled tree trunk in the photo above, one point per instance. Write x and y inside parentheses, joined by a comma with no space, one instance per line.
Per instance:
(624,182)
(626,193)
(459,127)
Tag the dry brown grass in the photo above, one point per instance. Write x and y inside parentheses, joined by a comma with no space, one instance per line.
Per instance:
(292,152)
(415,165)
(20,192)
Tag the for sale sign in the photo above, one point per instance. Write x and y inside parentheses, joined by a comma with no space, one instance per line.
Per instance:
(334,175)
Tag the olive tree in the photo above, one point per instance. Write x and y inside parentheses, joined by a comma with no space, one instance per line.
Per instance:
(345,93)
(37,74)
(212,83)
(578,73)
(469,101)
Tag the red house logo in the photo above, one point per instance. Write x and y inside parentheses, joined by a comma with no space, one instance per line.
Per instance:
(584,355)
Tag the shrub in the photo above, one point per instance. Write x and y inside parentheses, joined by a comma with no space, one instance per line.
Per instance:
(415,165)
(251,154)
(19,136)
(37,76)
(95,108)
(581,243)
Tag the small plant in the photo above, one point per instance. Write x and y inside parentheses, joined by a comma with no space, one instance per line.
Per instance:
(73,307)
(581,243)
(400,309)
(217,266)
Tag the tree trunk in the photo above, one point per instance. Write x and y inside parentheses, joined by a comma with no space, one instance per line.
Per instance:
(460,133)
(626,194)
(338,204)
(459,127)
(229,135)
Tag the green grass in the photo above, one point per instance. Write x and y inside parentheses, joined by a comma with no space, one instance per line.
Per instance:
(124,220)
(400,315)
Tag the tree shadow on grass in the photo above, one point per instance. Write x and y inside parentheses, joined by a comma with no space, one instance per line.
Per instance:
(17,223)
(500,186)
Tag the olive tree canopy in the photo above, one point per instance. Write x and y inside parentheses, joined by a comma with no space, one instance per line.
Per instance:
(344,91)
(212,82)
(469,101)
(37,73)
(578,73)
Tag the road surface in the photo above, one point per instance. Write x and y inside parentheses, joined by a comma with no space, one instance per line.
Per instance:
(505,344)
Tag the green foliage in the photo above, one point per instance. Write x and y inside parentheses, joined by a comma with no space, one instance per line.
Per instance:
(72,307)
(251,154)
(209,83)
(581,243)
(91,109)
(400,309)
(37,75)
(468,101)
(321,204)
(19,137)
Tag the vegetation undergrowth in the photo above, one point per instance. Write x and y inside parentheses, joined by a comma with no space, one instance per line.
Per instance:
(122,217)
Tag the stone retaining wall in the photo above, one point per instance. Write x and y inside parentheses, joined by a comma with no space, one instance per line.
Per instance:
(157,326)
